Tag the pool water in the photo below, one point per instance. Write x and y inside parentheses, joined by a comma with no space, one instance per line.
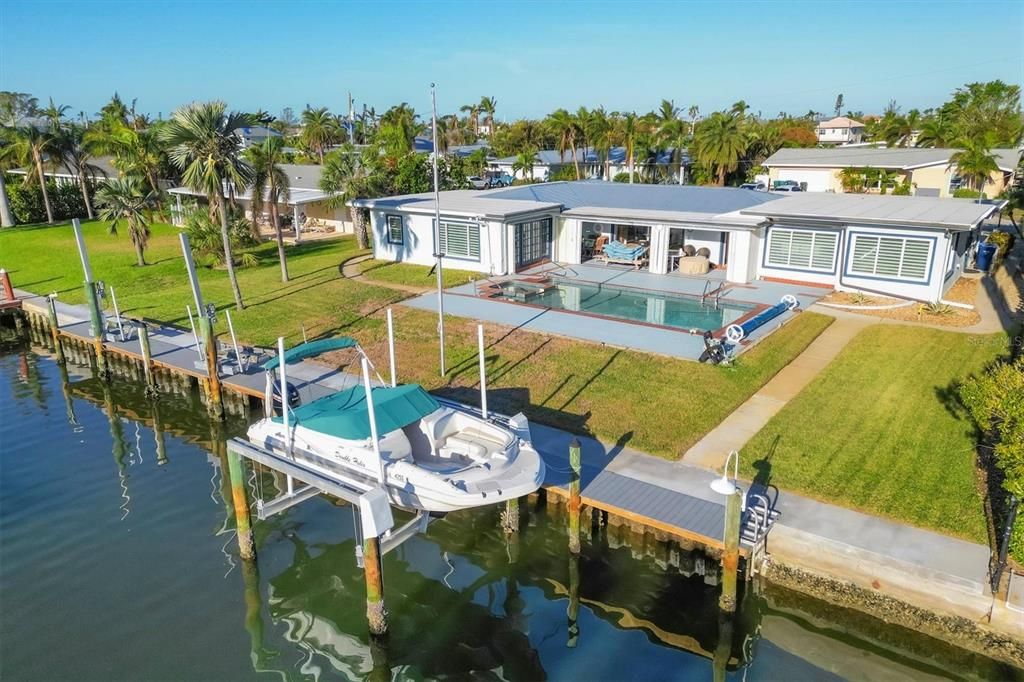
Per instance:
(633,305)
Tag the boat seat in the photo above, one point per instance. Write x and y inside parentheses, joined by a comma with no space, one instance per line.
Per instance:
(472,444)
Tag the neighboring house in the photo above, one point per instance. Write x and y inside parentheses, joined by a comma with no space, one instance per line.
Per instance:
(910,247)
(255,135)
(927,169)
(102,170)
(304,197)
(548,162)
(840,130)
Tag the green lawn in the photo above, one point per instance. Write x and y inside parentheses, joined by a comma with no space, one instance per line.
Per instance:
(879,430)
(661,405)
(414,275)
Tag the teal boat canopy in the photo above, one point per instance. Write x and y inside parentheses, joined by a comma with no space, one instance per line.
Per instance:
(311,349)
(344,414)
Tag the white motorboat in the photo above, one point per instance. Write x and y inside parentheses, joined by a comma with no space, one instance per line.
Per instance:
(434,456)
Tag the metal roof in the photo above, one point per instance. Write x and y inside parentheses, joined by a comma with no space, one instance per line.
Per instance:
(303,180)
(627,197)
(874,208)
(902,158)
(466,202)
(840,122)
(104,168)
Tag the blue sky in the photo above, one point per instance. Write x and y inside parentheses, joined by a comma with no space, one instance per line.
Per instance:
(532,56)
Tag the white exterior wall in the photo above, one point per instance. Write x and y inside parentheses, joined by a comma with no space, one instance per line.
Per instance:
(940,275)
(711,240)
(540,171)
(744,249)
(418,246)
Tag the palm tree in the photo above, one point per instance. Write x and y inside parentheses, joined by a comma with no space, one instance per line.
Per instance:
(629,132)
(202,143)
(975,163)
(54,114)
(566,128)
(720,143)
(344,178)
(32,145)
(127,199)
(936,131)
(487,106)
(135,152)
(672,133)
(599,134)
(76,152)
(270,185)
(524,162)
(320,130)
(473,111)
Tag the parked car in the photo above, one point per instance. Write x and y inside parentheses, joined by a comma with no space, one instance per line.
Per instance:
(499,180)
(756,186)
(787,188)
(476,182)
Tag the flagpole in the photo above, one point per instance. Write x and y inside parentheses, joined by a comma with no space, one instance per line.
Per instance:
(437,230)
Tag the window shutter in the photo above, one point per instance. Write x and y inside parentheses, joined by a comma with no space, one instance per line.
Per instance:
(824,255)
(802,249)
(894,257)
(778,247)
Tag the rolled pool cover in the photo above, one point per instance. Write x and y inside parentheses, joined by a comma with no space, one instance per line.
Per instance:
(737,332)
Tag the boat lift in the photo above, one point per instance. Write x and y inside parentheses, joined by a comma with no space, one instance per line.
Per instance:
(370,501)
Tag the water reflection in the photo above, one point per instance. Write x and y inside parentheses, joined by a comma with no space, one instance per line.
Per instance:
(465,599)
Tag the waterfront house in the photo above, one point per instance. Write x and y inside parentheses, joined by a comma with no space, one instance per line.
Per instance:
(840,130)
(304,198)
(659,166)
(912,247)
(928,170)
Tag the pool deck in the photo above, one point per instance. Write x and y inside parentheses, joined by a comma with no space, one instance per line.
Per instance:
(463,301)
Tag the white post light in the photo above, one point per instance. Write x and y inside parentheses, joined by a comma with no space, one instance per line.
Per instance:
(483,369)
(391,348)
(373,417)
(284,394)
(723,486)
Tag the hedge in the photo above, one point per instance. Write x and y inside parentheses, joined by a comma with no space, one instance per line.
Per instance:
(27,200)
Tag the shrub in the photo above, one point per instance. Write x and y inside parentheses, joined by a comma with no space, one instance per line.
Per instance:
(935,308)
(902,189)
(27,201)
(1003,242)
(564,173)
(623,177)
(965,193)
(205,238)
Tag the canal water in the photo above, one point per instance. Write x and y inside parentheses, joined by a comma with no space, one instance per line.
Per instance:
(118,561)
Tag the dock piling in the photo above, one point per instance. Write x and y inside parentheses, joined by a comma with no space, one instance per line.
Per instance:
(243,525)
(96,317)
(214,404)
(147,359)
(731,553)
(376,614)
(576,466)
(5,280)
(510,516)
(55,328)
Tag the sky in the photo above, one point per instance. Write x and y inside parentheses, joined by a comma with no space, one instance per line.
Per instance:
(533,57)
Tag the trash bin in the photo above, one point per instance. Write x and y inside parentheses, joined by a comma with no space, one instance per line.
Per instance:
(986,252)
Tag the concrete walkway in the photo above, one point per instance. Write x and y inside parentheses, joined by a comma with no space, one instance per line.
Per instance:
(750,417)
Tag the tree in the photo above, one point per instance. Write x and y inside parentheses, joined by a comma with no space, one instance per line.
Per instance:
(270,185)
(345,179)
(524,162)
(566,127)
(473,111)
(487,107)
(995,401)
(629,132)
(719,143)
(975,163)
(75,151)
(672,134)
(320,130)
(127,199)
(31,145)
(16,106)
(54,114)
(203,145)
(135,151)
(839,104)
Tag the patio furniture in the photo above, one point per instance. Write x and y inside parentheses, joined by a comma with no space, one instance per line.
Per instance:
(704,251)
(599,244)
(625,254)
(694,265)
(688,250)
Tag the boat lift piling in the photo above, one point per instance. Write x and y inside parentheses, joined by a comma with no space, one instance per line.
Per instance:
(95,313)
(147,359)
(731,553)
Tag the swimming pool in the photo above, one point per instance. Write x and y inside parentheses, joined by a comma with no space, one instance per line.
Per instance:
(625,303)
